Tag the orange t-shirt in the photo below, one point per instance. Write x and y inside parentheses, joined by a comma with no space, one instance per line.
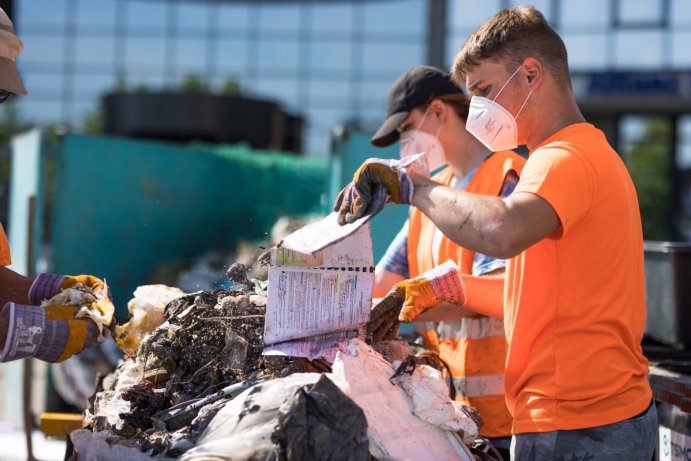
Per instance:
(575,301)
(4,249)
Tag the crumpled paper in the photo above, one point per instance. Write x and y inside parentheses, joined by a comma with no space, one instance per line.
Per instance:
(426,387)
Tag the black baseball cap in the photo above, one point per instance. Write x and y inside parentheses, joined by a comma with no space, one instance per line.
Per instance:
(417,86)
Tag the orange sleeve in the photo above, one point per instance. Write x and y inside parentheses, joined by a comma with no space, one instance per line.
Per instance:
(560,177)
(5,259)
(485,294)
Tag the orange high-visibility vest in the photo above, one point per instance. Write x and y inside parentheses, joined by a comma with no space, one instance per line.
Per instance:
(474,348)
(5,259)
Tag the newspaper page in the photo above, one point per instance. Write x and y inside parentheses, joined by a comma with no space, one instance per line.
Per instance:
(321,234)
(317,292)
(310,302)
(323,346)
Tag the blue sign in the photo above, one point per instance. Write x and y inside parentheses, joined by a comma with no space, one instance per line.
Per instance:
(638,84)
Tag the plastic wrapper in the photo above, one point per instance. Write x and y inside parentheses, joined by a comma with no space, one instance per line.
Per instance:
(146,311)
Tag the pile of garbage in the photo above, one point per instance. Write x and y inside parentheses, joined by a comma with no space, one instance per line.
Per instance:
(161,397)
(195,385)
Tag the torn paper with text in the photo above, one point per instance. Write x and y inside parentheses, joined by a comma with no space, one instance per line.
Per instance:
(320,283)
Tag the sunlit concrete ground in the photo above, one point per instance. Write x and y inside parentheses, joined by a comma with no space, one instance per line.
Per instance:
(13,445)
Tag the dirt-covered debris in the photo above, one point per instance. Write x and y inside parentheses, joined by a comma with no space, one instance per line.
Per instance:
(145,401)
(208,341)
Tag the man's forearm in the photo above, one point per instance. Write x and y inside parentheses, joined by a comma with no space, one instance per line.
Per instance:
(13,287)
(495,226)
(469,220)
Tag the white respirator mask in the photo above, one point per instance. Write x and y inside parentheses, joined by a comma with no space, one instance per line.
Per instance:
(420,142)
(491,123)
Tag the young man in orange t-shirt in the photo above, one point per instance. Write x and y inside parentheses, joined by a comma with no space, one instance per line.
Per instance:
(574,303)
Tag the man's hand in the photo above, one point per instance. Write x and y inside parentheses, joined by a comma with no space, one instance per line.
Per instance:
(50,333)
(376,182)
(408,299)
(45,286)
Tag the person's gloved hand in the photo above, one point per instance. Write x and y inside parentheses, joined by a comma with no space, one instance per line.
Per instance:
(372,183)
(45,286)
(383,319)
(408,299)
(49,333)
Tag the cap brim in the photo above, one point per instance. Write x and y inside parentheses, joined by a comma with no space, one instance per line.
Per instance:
(387,134)
(9,78)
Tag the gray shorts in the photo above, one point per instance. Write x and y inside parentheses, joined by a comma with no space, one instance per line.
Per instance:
(633,439)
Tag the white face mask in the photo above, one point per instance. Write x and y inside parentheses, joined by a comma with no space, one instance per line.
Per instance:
(491,123)
(416,142)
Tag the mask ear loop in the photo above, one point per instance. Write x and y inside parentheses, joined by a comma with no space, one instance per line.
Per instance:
(502,89)
(524,103)
(436,135)
(507,82)
(422,120)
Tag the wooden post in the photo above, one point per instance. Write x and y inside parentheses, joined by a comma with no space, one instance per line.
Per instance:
(27,375)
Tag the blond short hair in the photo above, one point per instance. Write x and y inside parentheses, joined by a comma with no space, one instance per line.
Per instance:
(512,35)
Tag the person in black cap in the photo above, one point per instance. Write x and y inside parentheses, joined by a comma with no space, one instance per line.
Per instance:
(27,327)
(427,113)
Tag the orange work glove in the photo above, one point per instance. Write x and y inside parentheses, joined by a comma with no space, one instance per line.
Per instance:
(408,299)
(87,280)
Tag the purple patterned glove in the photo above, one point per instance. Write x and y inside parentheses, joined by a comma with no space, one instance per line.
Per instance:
(45,286)
(51,334)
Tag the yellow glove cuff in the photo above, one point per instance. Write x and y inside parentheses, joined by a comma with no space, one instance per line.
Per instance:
(87,280)
(419,297)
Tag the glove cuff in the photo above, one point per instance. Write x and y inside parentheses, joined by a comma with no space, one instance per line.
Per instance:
(406,189)
(25,332)
(45,286)
(34,331)
(446,283)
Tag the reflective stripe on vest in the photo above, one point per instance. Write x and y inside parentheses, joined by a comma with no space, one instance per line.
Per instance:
(471,328)
(480,386)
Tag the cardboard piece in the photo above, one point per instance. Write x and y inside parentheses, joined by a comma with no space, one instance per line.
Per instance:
(393,426)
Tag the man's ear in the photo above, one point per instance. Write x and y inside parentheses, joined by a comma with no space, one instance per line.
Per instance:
(533,72)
